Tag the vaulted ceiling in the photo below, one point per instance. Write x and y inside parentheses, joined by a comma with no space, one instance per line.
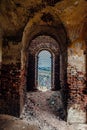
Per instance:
(15,14)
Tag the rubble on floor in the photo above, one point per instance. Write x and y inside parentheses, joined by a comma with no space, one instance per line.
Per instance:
(12,123)
(40,113)
(42,109)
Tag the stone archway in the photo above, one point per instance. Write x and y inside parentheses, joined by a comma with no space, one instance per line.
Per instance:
(37,44)
(43,43)
(56,31)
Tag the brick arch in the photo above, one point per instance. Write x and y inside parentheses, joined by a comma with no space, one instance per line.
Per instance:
(44,41)
(45,22)
(60,59)
(38,44)
(57,32)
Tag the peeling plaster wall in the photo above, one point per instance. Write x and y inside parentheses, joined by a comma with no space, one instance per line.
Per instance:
(76,74)
(10,81)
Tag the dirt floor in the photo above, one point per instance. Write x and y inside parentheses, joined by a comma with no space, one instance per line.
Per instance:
(12,123)
(41,112)
(45,110)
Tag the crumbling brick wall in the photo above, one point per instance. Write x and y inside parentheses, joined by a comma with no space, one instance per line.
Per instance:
(76,76)
(10,80)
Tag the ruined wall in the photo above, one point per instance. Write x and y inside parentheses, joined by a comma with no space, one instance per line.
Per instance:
(37,14)
(76,75)
(10,78)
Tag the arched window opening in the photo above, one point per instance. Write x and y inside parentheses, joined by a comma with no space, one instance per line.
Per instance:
(44,70)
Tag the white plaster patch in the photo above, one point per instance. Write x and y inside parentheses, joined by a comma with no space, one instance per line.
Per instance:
(76,115)
(77,61)
(80,126)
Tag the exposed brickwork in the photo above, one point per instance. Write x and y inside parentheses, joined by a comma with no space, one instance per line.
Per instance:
(9,90)
(76,85)
(22,89)
(29,56)
(76,78)
(44,42)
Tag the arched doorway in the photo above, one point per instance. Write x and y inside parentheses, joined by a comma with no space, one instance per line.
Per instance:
(47,46)
(44,70)
(44,37)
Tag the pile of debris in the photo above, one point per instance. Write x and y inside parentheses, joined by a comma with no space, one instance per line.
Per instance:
(42,109)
